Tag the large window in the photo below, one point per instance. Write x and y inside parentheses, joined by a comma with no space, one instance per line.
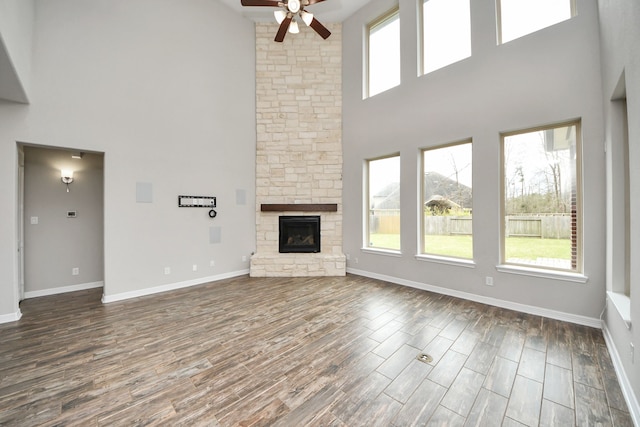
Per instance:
(517,18)
(446,33)
(541,198)
(383,54)
(447,201)
(383,203)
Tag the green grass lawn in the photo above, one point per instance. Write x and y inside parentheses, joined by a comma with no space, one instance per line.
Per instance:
(525,248)
(455,246)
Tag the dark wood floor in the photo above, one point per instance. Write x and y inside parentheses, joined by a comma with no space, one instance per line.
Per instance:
(304,351)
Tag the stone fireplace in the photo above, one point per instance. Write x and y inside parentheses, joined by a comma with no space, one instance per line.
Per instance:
(298,149)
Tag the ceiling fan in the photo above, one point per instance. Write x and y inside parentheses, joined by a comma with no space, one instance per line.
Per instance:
(286,14)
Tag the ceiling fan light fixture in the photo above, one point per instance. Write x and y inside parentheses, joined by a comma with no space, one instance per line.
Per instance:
(306,17)
(280,15)
(293,6)
(289,14)
(293,27)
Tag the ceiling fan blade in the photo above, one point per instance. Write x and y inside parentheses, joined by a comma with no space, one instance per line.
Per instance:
(313,2)
(273,3)
(320,29)
(284,26)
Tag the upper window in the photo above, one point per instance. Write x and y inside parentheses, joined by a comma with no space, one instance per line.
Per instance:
(383,53)
(541,198)
(517,18)
(446,33)
(383,203)
(447,201)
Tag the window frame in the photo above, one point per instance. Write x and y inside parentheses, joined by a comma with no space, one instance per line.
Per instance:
(421,222)
(385,18)
(574,13)
(367,206)
(544,271)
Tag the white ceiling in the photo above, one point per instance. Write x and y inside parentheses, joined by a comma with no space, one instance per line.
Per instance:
(329,11)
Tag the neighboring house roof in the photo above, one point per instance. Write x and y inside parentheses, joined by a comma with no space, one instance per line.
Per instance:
(388,197)
(435,184)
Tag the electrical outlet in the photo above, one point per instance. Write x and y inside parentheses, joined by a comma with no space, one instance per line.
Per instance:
(356,260)
(167,270)
(75,271)
(631,351)
(244,258)
(348,257)
(488,281)
(195,267)
(212,263)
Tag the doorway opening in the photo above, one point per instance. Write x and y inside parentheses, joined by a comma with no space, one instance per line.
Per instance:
(61,233)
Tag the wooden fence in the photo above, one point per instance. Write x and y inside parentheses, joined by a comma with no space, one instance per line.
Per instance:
(553,226)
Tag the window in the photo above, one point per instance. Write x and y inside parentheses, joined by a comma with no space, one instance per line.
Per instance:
(447,201)
(541,198)
(383,53)
(517,18)
(446,33)
(383,203)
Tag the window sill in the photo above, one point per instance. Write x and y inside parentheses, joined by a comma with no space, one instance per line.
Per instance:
(387,252)
(447,260)
(539,272)
(622,303)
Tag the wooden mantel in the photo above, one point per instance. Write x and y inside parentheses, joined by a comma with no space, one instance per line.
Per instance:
(299,207)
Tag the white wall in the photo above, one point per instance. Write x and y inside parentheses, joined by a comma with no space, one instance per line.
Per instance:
(16,29)
(543,78)
(166,89)
(56,244)
(620,40)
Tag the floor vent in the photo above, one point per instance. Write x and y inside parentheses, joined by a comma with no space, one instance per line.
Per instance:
(425,358)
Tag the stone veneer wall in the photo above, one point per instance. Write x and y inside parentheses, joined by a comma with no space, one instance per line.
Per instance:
(299,145)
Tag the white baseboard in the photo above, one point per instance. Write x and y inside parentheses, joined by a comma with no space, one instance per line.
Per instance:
(170,287)
(623,380)
(63,289)
(12,317)
(524,308)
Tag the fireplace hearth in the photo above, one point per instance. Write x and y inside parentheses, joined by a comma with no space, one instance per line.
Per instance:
(299,234)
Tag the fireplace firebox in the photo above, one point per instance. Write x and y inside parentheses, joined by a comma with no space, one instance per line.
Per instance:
(299,234)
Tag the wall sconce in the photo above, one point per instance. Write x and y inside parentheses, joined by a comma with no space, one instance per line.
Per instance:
(66,177)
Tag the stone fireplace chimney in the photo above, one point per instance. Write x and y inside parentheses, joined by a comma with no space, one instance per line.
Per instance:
(299,147)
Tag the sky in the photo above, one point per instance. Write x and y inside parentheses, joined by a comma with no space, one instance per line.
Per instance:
(447,160)
(520,17)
